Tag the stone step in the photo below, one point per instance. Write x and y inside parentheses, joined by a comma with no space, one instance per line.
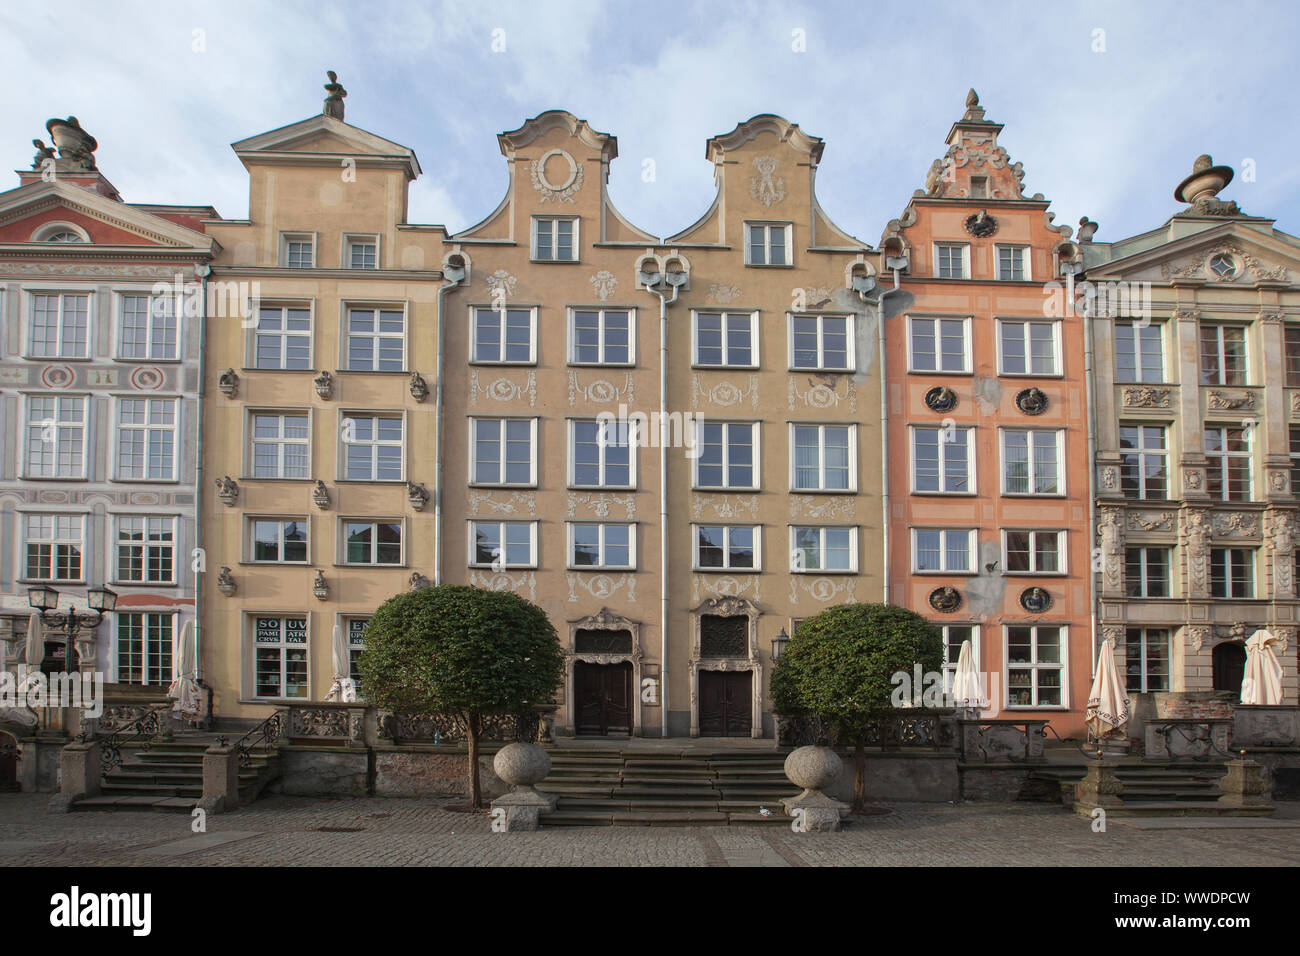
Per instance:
(156,803)
(778,818)
(643,803)
(640,779)
(666,818)
(1178,808)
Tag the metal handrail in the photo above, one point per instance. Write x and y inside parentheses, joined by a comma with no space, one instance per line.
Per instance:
(145,728)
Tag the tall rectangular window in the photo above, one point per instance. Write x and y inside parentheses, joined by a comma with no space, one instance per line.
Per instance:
(554,239)
(824,458)
(280,662)
(726,339)
(1144,462)
(376,340)
(281,446)
(501,451)
(1291,339)
(56,436)
(823,342)
(1232,572)
(1034,666)
(942,460)
(1013,263)
(724,547)
(823,549)
(1223,355)
(1139,352)
(144,649)
(278,540)
(356,631)
(146,549)
(954,636)
(952,260)
(1029,348)
(53,545)
(282,339)
(146,438)
(602,454)
(1294,437)
(372,542)
(60,326)
(504,336)
(373,448)
(1146,572)
(503,544)
(943,549)
(768,245)
(1034,552)
(601,337)
(938,345)
(1031,462)
(1227,460)
(726,456)
(148,327)
(1146,659)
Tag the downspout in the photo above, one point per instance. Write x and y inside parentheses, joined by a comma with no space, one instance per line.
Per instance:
(448,284)
(203,270)
(1092,468)
(884,431)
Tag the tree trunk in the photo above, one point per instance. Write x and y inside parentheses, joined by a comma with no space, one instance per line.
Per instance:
(475,787)
(859,776)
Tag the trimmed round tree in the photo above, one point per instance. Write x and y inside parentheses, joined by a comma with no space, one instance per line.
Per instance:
(461,650)
(838,668)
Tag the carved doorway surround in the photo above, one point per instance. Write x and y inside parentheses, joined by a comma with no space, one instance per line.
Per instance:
(726,648)
(603,638)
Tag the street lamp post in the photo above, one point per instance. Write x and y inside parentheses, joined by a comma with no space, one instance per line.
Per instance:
(71,623)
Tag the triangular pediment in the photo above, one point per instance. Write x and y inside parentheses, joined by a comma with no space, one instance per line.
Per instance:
(24,211)
(324,136)
(1259,255)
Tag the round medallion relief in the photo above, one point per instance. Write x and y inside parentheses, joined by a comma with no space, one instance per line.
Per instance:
(1035,600)
(1031,401)
(945,599)
(941,399)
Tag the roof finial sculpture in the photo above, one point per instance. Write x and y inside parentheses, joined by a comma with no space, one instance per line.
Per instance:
(972,98)
(334,101)
(1201,189)
(974,112)
(74,143)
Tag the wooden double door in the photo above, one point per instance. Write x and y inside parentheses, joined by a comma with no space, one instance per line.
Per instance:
(726,701)
(602,699)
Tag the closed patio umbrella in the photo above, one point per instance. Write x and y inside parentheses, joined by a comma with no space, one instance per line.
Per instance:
(184,688)
(344,688)
(1262,682)
(35,653)
(966,692)
(1108,704)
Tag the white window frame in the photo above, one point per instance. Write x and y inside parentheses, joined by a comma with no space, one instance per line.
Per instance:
(146,545)
(250,538)
(971,551)
(501,447)
(61,295)
(294,238)
(167,642)
(84,425)
(1143,565)
(250,431)
(937,320)
(972,469)
(374,444)
(602,564)
(1138,354)
(373,523)
(1030,451)
(965,259)
(55,541)
(850,341)
(1220,460)
(502,314)
(602,444)
(1057,363)
(755,466)
(255,333)
(603,361)
(767,226)
(152,318)
(1035,666)
(1026,257)
(727,528)
(1142,454)
(351,239)
(149,430)
(377,309)
(472,537)
(821,427)
(725,315)
(283,646)
(1252,572)
(536,227)
(1062,552)
(1220,344)
(821,530)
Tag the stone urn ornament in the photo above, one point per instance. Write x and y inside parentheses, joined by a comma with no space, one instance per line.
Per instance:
(74,143)
(522,765)
(814,769)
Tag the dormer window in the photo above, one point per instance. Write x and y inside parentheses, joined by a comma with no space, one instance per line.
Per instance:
(555,239)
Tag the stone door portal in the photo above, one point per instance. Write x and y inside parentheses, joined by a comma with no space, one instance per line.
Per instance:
(602,699)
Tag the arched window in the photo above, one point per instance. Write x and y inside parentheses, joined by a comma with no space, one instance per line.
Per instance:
(60,232)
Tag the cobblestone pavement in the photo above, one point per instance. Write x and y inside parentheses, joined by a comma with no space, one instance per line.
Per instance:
(288,831)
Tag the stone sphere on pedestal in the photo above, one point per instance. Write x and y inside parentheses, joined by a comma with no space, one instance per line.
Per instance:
(522,765)
(813,768)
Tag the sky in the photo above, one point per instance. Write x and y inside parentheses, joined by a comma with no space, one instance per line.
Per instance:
(1106,104)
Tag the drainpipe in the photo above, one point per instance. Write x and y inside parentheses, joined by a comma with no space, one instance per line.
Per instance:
(1092,468)
(895,263)
(650,281)
(203,270)
(453,274)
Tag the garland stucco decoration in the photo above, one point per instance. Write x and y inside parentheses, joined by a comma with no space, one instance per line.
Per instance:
(602,391)
(601,585)
(823,590)
(599,503)
(725,394)
(503,389)
(723,294)
(482,502)
(556,192)
(725,585)
(505,581)
(724,507)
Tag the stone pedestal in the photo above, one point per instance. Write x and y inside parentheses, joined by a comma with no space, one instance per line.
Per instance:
(814,769)
(79,770)
(1244,785)
(1100,787)
(522,766)
(220,779)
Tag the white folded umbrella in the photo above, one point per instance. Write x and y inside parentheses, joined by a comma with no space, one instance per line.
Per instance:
(184,688)
(1108,705)
(344,688)
(35,652)
(966,690)
(1262,681)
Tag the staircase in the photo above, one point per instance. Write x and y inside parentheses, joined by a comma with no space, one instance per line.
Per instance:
(168,776)
(640,788)
(1157,789)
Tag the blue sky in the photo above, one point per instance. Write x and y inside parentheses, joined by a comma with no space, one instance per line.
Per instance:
(1104,132)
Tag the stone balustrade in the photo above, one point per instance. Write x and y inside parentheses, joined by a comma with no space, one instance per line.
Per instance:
(1001,741)
(1260,725)
(1189,738)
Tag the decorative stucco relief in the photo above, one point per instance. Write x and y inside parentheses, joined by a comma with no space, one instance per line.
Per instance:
(514,502)
(505,581)
(725,507)
(601,585)
(503,389)
(725,394)
(602,391)
(599,503)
